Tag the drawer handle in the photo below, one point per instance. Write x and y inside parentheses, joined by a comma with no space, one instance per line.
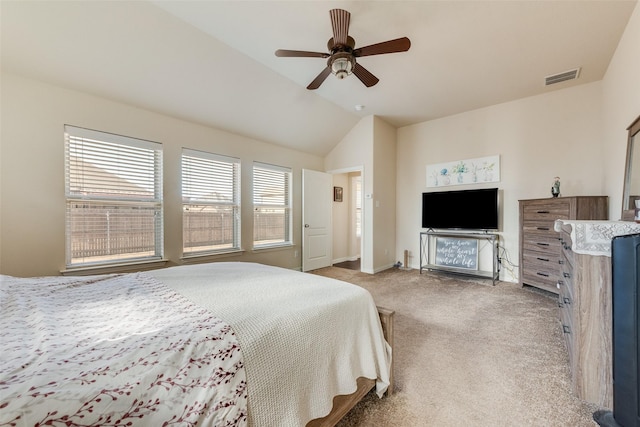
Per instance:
(543,211)
(542,259)
(566,329)
(560,261)
(543,274)
(566,300)
(543,228)
(542,244)
(567,275)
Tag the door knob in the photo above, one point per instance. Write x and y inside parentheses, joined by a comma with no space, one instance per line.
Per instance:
(306,226)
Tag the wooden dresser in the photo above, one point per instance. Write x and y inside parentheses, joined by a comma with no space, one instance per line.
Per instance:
(540,248)
(585,304)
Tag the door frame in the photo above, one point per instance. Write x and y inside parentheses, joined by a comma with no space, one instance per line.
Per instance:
(364,235)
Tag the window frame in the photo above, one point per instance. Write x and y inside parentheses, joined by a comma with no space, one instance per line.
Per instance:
(286,204)
(235,202)
(108,153)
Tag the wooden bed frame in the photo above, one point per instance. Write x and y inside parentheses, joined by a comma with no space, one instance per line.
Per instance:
(342,404)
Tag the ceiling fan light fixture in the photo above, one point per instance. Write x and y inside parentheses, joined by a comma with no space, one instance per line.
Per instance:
(342,65)
(342,55)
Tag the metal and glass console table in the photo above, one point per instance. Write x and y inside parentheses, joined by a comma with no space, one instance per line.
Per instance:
(459,252)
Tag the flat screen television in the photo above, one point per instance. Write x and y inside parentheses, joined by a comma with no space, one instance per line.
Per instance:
(464,209)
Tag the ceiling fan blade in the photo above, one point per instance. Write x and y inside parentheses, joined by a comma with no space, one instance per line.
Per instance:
(315,84)
(398,45)
(300,54)
(340,24)
(365,76)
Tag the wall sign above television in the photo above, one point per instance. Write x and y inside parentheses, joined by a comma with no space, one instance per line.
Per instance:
(470,171)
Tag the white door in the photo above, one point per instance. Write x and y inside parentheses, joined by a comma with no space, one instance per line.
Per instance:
(317,202)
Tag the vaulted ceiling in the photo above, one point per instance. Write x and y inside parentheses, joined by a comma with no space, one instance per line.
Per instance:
(213,62)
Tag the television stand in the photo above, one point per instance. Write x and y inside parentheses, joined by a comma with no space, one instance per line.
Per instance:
(459,252)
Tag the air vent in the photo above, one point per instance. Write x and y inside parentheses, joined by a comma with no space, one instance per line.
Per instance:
(562,77)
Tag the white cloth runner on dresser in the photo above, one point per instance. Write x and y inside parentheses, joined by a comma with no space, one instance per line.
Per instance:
(594,237)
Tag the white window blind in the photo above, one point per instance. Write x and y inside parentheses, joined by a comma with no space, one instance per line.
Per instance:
(271,205)
(113,188)
(210,203)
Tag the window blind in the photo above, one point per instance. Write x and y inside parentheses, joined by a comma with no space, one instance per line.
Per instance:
(113,189)
(211,203)
(271,205)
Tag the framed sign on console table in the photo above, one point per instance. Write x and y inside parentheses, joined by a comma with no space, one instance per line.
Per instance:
(456,252)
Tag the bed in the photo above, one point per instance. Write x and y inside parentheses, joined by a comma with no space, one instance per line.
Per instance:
(207,344)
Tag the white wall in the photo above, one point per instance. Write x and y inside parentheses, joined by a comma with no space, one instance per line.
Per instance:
(578,134)
(346,244)
(384,195)
(370,147)
(32,211)
(340,214)
(355,243)
(621,105)
(355,151)
(537,138)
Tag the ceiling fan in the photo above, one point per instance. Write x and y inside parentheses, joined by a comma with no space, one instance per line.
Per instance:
(342,56)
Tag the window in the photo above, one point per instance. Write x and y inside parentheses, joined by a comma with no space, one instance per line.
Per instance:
(356,185)
(271,206)
(210,203)
(113,188)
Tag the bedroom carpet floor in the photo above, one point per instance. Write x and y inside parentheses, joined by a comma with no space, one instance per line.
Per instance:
(469,354)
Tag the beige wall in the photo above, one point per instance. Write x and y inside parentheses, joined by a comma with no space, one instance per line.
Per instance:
(384,195)
(355,152)
(32,210)
(578,134)
(621,101)
(346,245)
(370,147)
(340,220)
(537,138)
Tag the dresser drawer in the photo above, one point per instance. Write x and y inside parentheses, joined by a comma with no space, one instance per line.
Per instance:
(547,210)
(565,314)
(566,279)
(534,275)
(544,261)
(539,227)
(567,255)
(566,325)
(542,243)
(565,293)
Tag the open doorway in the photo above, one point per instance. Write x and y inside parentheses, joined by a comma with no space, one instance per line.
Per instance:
(347,220)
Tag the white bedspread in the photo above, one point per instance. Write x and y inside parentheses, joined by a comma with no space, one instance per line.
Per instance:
(115,350)
(304,338)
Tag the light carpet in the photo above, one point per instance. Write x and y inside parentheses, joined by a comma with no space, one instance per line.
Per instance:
(467,353)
